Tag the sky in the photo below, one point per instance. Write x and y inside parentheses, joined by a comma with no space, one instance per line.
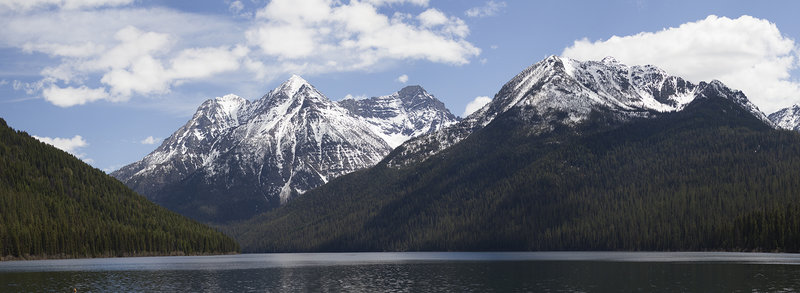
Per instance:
(109,80)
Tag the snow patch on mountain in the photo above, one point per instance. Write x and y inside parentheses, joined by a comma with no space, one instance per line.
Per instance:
(291,140)
(397,117)
(787,118)
(567,91)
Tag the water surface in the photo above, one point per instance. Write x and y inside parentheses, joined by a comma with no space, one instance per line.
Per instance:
(414,272)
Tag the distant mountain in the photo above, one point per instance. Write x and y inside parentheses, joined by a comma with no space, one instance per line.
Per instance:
(402,115)
(562,91)
(568,156)
(53,205)
(236,158)
(787,118)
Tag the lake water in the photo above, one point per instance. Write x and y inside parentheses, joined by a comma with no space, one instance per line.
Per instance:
(414,272)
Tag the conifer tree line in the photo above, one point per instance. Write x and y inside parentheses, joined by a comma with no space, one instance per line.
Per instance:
(54,205)
(711,177)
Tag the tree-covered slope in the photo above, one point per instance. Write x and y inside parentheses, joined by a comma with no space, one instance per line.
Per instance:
(709,177)
(54,205)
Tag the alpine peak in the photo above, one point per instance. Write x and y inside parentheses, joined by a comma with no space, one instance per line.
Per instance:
(609,60)
(236,158)
(292,85)
(563,91)
(787,118)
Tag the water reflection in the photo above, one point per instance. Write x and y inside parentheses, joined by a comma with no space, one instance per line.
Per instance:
(390,273)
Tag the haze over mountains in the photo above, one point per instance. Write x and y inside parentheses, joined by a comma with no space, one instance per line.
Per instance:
(236,158)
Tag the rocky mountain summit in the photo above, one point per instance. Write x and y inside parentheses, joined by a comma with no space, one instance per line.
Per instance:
(563,91)
(236,158)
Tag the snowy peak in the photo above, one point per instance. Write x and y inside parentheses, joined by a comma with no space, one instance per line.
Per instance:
(236,158)
(563,85)
(294,91)
(609,60)
(292,85)
(223,110)
(397,117)
(787,118)
(563,91)
(715,88)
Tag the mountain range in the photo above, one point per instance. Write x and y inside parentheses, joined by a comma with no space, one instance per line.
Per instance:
(568,155)
(237,158)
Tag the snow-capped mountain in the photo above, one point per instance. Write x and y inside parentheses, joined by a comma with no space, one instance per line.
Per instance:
(787,118)
(564,91)
(236,158)
(190,148)
(402,115)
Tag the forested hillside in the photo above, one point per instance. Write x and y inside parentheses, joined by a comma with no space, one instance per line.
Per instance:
(54,205)
(710,177)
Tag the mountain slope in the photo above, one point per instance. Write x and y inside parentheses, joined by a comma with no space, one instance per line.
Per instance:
(787,118)
(54,205)
(712,176)
(566,91)
(236,158)
(400,116)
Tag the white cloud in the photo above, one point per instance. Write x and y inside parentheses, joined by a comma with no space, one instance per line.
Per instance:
(352,97)
(391,2)
(403,78)
(432,17)
(25,5)
(104,51)
(746,53)
(70,145)
(149,140)
(491,8)
(476,105)
(236,7)
(70,96)
(322,36)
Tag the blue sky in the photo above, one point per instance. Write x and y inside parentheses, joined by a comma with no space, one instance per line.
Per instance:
(107,80)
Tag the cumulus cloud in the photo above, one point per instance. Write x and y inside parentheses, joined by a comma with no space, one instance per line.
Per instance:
(321,35)
(70,96)
(745,53)
(403,78)
(352,97)
(70,145)
(149,140)
(103,50)
(391,2)
(25,5)
(475,105)
(491,8)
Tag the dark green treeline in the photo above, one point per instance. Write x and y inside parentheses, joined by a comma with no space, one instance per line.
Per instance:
(711,177)
(54,205)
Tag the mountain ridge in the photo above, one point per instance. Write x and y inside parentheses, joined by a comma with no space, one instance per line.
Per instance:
(236,158)
(635,179)
(564,89)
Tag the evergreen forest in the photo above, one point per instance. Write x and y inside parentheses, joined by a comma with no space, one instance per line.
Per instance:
(711,177)
(53,205)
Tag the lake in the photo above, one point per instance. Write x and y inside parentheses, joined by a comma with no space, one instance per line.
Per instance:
(414,272)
